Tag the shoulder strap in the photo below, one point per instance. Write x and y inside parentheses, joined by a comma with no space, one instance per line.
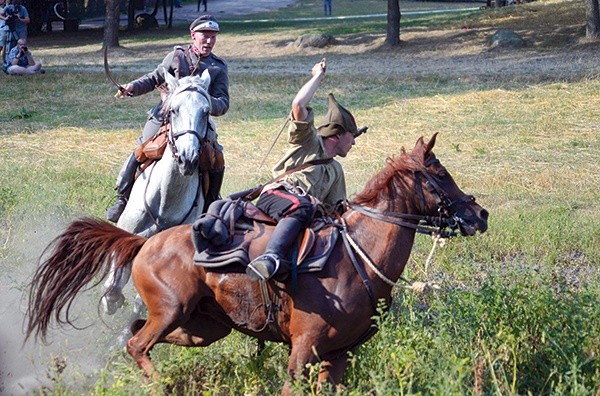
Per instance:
(252,193)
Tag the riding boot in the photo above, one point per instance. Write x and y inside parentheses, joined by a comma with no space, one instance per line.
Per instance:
(124,184)
(265,266)
(215,181)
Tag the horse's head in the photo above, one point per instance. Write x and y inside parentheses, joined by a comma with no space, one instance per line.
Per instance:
(439,194)
(417,183)
(188,107)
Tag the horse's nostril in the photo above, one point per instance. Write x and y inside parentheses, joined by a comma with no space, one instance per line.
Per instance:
(484,214)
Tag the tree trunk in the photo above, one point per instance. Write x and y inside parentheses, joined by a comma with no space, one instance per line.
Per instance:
(131,16)
(393,23)
(111,24)
(592,16)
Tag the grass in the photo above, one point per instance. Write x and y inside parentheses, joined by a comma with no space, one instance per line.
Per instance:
(517,312)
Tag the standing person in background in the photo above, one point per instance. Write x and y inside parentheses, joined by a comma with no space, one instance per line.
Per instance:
(17,18)
(3,30)
(203,2)
(327,7)
(181,62)
(20,61)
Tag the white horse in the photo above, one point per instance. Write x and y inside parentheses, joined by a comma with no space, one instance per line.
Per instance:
(168,192)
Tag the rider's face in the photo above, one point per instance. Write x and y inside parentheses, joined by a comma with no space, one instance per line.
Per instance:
(204,41)
(345,141)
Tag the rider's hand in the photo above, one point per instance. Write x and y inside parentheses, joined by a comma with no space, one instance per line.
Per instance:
(126,91)
(319,68)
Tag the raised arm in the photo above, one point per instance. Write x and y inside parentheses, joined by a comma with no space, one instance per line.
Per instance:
(306,93)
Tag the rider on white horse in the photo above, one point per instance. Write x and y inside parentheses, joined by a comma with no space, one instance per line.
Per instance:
(180,62)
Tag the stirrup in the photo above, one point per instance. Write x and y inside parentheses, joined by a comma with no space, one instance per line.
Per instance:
(262,272)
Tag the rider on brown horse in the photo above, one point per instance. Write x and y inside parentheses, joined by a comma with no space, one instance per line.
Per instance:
(290,199)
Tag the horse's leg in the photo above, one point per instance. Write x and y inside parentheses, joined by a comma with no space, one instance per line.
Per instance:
(332,371)
(141,343)
(300,355)
(200,331)
(113,289)
(329,370)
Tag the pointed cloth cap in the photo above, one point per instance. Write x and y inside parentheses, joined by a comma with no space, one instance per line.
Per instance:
(337,120)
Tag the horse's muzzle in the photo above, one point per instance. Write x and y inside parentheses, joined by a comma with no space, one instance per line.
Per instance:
(471,218)
(187,167)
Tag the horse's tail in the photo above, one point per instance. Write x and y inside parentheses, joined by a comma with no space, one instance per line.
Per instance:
(76,257)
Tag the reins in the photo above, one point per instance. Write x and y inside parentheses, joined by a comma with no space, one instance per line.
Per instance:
(436,226)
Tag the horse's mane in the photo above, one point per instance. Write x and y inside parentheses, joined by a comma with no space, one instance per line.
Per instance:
(379,186)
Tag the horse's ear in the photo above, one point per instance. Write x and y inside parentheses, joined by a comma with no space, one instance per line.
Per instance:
(205,79)
(431,143)
(170,80)
(421,149)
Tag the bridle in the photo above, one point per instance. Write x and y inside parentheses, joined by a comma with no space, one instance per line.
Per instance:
(444,225)
(171,138)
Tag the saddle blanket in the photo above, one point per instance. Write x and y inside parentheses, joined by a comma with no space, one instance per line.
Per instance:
(229,231)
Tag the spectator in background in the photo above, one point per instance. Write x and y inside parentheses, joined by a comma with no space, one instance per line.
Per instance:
(17,18)
(327,7)
(3,30)
(20,61)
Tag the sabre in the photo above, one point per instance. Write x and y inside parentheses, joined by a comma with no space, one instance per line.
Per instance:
(287,119)
(110,77)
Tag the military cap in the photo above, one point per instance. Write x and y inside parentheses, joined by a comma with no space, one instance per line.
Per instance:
(337,120)
(205,22)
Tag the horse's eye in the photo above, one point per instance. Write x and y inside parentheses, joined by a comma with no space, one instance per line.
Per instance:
(442,173)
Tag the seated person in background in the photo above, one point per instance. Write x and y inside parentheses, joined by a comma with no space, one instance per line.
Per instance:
(20,61)
(290,199)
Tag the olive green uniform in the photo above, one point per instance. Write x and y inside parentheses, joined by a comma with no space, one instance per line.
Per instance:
(325,182)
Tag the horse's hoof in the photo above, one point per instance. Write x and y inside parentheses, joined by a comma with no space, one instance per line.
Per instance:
(111,303)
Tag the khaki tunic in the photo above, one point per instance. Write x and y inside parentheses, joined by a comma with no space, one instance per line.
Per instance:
(326,182)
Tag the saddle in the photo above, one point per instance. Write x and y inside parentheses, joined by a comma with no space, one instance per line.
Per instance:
(235,232)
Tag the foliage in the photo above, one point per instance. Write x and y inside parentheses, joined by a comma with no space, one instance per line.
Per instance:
(517,312)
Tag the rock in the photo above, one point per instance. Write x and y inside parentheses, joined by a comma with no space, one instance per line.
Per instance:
(314,40)
(504,38)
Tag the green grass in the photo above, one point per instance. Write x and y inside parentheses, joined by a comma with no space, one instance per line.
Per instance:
(517,312)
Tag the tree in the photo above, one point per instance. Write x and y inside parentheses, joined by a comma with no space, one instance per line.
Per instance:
(592,17)
(111,24)
(393,22)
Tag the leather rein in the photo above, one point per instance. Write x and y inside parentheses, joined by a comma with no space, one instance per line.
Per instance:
(444,225)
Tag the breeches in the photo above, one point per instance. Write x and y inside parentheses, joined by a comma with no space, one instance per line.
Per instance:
(279,203)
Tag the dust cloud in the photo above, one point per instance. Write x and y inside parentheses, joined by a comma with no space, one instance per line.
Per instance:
(72,357)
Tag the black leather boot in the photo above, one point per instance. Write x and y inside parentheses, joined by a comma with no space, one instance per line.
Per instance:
(125,182)
(267,265)
(215,181)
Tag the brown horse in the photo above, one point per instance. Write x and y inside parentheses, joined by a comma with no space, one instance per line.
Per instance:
(192,306)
